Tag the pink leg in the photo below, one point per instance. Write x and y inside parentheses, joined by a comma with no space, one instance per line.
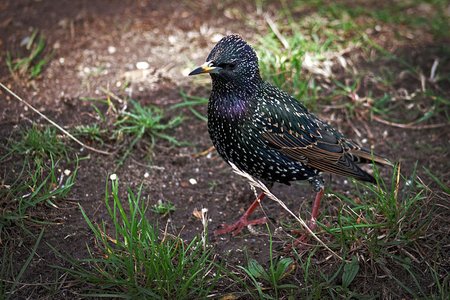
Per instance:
(243,221)
(312,222)
(315,210)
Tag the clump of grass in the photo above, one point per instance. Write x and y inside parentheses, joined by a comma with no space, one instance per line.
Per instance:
(324,282)
(390,207)
(39,142)
(283,67)
(32,64)
(132,261)
(37,183)
(274,277)
(163,208)
(93,132)
(144,121)
(39,180)
(298,56)
(385,221)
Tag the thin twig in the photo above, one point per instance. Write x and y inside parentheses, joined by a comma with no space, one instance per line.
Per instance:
(258,184)
(409,125)
(275,30)
(112,95)
(53,123)
(204,152)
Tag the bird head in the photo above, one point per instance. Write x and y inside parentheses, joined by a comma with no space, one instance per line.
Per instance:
(231,61)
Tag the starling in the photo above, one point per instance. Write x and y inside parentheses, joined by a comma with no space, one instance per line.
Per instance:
(268,133)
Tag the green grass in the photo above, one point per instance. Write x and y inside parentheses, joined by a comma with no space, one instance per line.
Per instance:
(329,282)
(163,208)
(127,128)
(389,233)
(133,260)
(270,283)
(315,57)
(386,218)
(39,180)
(190,102)
(383,223)
(38,176)
(38,183)
(383,233)
(312,58)
(40,142)
(34,59)
(148,121)
(382,206)
(334,58)
(7,270)
(427,15)
(93,132)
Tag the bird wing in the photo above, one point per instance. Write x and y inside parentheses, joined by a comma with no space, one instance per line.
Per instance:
(303,137)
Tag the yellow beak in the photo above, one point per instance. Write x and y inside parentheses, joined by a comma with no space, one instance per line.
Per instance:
(207,67)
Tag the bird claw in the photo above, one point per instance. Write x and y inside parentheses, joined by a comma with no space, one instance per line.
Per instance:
(301,242)
(237,227)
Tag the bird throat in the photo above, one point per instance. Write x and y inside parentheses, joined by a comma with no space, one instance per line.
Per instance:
(231,103)
(231,106)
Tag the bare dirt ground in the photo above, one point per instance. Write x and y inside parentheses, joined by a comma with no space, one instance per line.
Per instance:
(96,44)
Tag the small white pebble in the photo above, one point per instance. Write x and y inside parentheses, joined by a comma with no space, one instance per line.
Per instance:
(142,65)
(172,39)
(67,172)
(146,175)
(364,141)
(62,60)
(112,49)
(118,84)
(113,177)
(193,181)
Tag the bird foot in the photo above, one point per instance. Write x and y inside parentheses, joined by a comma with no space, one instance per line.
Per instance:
(301,242)
(237,227)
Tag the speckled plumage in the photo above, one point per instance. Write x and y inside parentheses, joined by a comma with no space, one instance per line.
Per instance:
(266,132)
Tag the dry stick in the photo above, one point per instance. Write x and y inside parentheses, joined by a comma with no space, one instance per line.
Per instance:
(258,184)
(53,123)
(275,30)
(410,125)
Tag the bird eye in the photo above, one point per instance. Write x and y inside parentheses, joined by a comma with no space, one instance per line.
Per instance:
(228,66)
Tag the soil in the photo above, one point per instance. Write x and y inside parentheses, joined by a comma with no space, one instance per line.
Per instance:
(96,44)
